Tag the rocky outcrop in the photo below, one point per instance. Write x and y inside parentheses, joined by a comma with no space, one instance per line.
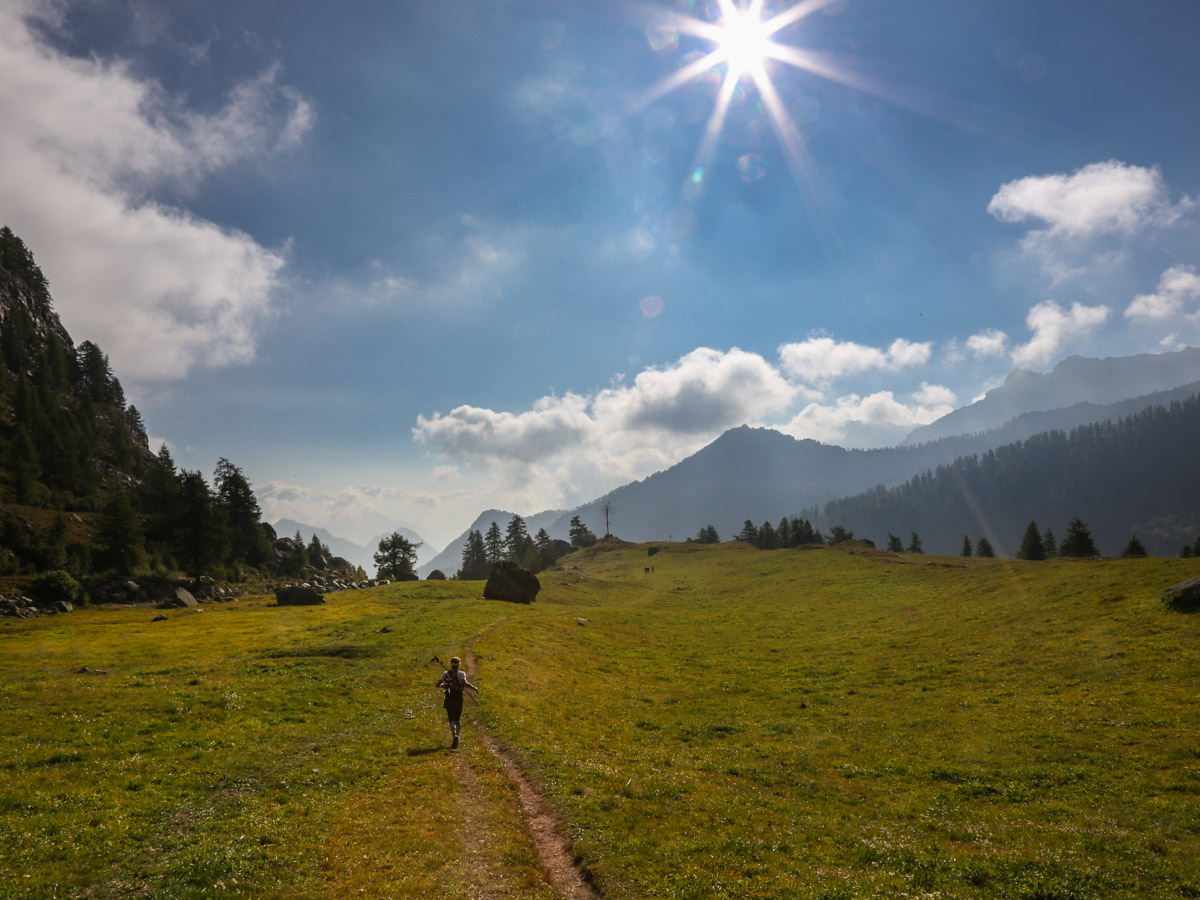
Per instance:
(436,575)
(511,583)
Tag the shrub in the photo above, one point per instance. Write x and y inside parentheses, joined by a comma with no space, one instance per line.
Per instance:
(57,585)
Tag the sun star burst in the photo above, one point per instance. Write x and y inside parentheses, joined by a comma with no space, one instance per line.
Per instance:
(743,42)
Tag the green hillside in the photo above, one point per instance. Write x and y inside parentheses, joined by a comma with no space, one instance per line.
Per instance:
(831,722)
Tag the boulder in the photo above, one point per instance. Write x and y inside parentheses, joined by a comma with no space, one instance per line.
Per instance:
(179,598)
(298,595)
(511,583)
(159,618)
(436,575)
(1184,596)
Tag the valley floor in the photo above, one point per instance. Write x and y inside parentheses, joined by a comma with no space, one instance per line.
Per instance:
(707,721)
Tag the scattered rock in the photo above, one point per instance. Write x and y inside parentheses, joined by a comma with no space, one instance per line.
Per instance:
(84,670)
(511,583)
(1184,597)
(582,621)
(159,618)
(384,630)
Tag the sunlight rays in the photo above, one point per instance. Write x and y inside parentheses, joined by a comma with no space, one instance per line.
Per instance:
(744,45)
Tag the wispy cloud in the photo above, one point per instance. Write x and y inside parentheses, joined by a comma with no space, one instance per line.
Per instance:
(86,143)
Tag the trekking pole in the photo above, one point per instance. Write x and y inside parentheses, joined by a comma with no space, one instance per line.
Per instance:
(435,659)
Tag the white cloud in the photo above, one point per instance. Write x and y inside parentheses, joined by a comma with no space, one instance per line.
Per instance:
(874,420)
(820,360)
(1099,198)
(1176,287)
(988,343)
(1052,326)
(84,144)
(1089,221)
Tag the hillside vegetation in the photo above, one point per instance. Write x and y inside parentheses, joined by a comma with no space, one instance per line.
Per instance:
(833,722)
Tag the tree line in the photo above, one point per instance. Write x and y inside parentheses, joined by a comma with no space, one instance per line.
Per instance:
(482,550)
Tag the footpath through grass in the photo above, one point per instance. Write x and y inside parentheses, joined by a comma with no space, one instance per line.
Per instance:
(736,723)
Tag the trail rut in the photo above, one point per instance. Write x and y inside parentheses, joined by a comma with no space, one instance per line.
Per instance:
(545,831)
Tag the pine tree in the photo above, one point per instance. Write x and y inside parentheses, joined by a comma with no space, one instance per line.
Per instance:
(1050,542)
(247,542)
(199,537)
(838,535)
(396,557)
(749,533)
(966,546)
(24,464)
(580,534)
(1134,547)
(914,545)
(768,539)
(493,541)
(1032,547)
(1078,543)
(475,564)
(119,536)
(516,539)
(708,535)
(894,544)
(983,549)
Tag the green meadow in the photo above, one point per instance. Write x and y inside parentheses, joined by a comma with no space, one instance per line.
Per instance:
(811,723)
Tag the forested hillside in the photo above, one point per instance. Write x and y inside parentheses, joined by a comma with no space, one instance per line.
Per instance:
(1135,476)
(80,489)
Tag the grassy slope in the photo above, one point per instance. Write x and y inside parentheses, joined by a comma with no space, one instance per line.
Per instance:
(807,723)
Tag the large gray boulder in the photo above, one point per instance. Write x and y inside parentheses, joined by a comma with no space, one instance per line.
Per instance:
(510,582)
(298,595)
(1184,596)
(180,598)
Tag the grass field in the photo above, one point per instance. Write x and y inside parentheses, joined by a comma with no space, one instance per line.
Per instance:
(808,723)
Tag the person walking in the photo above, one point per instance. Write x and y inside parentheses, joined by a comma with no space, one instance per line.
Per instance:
(453,681)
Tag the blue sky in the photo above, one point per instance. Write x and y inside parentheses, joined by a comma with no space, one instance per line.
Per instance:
(403,262)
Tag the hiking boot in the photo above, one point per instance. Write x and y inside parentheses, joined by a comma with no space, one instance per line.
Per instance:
(454,743)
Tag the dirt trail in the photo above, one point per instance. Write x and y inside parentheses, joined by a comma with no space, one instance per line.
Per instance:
(563,875)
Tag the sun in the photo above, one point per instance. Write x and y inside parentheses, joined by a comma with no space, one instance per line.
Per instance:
(743,42)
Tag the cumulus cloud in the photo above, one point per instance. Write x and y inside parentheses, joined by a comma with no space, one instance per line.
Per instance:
(988,343)
(85,144)
(1177,286)
(1088,220)
(702,394)
(821,360)
(875,419)
(1052,326)
(1099,198)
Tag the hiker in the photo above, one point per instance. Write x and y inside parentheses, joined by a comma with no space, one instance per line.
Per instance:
(453,681)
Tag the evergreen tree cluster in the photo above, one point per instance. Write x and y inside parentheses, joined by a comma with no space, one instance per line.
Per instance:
(1137,469)
(64,428)
(537,553)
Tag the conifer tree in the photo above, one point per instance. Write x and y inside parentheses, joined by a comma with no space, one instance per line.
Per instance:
(247,542)
(1078,543)
(493,541)
(199,537)
(914,544)
(894,544)
(983,549)
(119,536)
(475,564)
(784,533)
(1134,547)
(516,539)
(396,557)
(1050,543)
(749,533)
(580,534)
(1032,547)
(966,546)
